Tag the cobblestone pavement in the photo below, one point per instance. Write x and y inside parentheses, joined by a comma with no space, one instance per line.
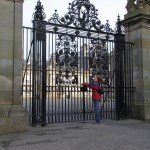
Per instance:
(109,135)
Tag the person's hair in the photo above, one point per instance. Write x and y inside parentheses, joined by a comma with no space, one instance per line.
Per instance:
(99,78)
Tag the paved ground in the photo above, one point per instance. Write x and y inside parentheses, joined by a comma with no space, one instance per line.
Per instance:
(109,135)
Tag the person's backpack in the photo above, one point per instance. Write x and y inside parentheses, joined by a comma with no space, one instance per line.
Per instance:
(101,90)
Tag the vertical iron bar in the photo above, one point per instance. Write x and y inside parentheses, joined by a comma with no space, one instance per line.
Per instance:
(119,76)
(33,78)
(83,79)
(44,77)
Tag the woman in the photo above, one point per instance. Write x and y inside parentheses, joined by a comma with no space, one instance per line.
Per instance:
(96,96)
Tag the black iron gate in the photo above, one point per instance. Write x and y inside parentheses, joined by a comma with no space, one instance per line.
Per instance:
(62,53)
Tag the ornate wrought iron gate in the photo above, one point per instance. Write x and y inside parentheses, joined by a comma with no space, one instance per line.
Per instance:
(65,52)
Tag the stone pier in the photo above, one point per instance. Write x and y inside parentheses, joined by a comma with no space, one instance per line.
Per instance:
(13,117)
(137,30)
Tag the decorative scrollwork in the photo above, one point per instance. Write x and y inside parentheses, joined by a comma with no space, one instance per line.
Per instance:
(66,60)
(54,18)
(107,27)
(99,57)
(119,27)
(40,30)
(81,14)
(39,14)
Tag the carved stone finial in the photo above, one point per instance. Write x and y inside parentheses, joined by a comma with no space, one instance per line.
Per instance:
(133,5)
(143,3)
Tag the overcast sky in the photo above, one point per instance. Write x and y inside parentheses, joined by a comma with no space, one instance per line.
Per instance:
(107,9)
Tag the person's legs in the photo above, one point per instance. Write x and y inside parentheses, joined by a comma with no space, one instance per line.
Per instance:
(97,111)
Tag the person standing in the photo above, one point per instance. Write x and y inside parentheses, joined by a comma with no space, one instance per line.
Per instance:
(96,96)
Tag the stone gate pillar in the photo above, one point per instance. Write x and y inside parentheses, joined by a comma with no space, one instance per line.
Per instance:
(13,117)
(137,30)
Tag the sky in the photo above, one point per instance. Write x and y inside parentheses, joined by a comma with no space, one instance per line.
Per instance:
(107,9)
